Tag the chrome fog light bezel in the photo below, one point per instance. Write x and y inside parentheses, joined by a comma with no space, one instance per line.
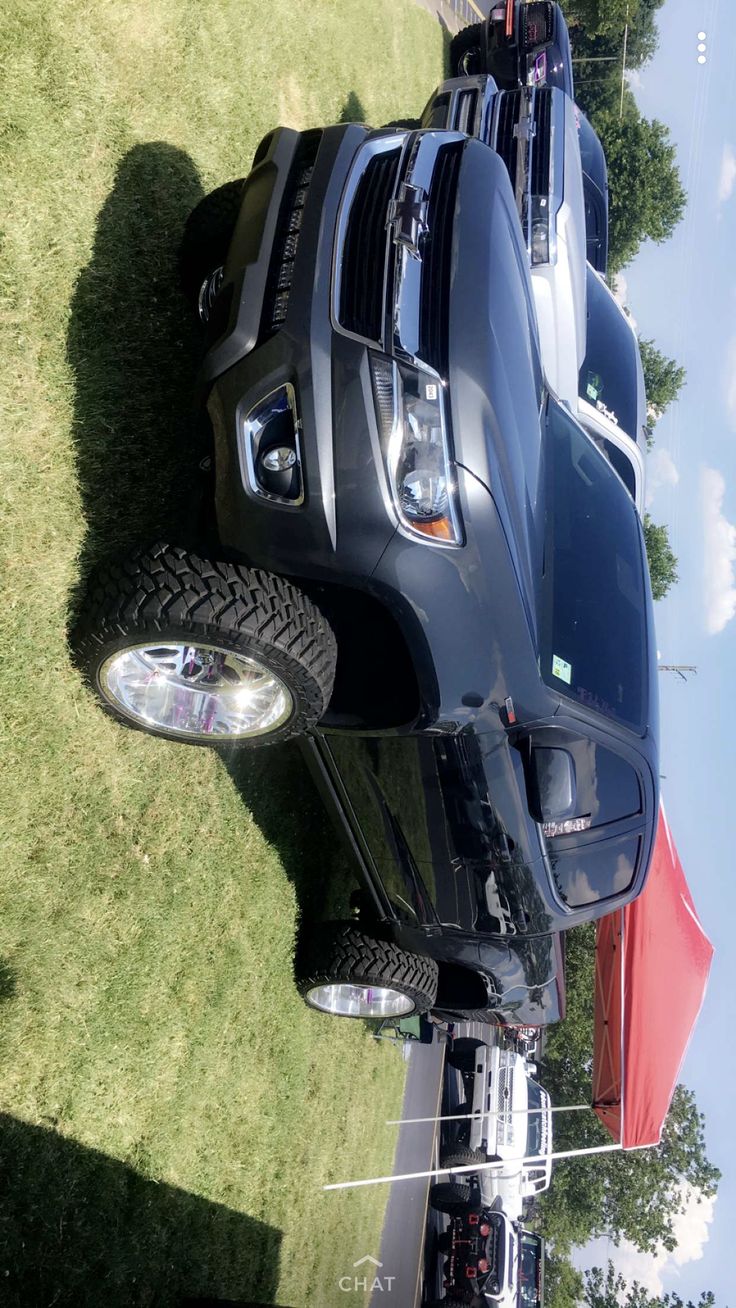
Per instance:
(250,432)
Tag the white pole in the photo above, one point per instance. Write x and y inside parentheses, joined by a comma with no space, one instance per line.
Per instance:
(478,1167)
(492,1112)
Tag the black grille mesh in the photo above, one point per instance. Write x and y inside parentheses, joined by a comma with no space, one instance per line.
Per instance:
(281,270)
(536,24)
(541,143)
(361,308)
(434,311)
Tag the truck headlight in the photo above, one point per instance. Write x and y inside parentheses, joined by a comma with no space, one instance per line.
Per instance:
(541,238)
(410,406)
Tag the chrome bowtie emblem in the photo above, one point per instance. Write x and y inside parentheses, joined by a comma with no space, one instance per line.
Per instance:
(407,218)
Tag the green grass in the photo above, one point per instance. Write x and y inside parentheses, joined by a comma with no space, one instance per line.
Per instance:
(170,1108)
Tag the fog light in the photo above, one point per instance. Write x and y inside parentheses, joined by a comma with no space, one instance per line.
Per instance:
(270,455)
(279,459)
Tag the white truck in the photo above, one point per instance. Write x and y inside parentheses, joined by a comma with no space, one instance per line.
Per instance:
(509,1120)
(535,130)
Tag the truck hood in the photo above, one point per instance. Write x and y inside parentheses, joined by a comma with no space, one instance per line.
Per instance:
(495,375)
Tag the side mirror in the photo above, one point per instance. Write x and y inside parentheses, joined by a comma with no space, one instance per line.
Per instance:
(551,784)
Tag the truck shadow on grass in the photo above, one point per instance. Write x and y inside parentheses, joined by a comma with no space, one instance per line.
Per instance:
(133,347)
(80,1228)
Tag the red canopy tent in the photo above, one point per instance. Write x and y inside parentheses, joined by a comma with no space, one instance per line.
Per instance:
(652,965)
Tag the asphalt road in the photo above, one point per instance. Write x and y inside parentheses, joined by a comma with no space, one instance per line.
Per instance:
(402,1241)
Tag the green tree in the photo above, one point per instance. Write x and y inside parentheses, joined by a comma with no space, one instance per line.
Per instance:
(662,561)
(663,380)
(563,1283)
(646,197)
(608,1289)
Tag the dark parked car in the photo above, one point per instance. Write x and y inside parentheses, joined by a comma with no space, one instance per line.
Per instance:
(521,43)
(418,562)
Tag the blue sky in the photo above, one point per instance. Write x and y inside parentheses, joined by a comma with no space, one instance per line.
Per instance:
(683,296)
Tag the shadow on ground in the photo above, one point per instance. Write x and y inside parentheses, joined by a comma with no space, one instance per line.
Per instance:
(133,347)
(79,1228)
(353,110)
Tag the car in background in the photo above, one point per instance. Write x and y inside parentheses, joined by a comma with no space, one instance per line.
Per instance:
(510,1121)
(612,405)
(521,43)
(535,131)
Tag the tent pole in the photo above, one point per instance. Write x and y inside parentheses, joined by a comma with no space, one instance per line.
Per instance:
(492,1112)
(479,1167)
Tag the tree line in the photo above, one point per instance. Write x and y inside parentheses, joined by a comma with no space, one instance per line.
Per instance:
(647,199)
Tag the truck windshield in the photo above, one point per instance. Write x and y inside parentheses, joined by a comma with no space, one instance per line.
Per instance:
(530,1270)
(610,378)
(593,593)
(535,1132)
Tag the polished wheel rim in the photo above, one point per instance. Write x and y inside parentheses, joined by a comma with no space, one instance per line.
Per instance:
(198,692)
(346,999)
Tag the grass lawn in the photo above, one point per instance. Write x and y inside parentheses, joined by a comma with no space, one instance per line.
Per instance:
(168,1106)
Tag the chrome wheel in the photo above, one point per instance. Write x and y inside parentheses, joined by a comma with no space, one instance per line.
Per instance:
(197,692)
(346,999)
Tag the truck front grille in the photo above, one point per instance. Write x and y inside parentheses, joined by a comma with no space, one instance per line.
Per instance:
(434,311)
(281,270)
(537,18)
(507,142)
(362,280)
(541,141)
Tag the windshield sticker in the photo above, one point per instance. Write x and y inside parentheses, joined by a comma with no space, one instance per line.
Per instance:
(561,669)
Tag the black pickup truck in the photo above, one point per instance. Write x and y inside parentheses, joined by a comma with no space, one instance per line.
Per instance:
(521,43)
(419,563)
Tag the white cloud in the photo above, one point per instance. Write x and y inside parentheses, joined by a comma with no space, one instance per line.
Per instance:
(634,78)
(731,380)
(727,177)
(657,1272)
(719,583)
(661,471)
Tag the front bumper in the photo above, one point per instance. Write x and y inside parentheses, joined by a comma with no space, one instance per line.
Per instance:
(351,287)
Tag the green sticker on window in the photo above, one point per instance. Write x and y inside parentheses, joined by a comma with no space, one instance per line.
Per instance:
(561,669)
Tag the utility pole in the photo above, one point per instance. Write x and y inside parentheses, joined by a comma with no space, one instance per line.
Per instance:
(680,668)
(623,66)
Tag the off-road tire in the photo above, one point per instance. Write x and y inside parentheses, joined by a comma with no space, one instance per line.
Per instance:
(462,1054)
(207,234)
(468,38)
(168,591)
(341,951)
(451,1197)
(462,1156)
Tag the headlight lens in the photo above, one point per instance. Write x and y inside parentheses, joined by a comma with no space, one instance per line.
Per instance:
(540,245)
(410,409)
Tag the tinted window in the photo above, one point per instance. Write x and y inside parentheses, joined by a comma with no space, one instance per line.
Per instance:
(596,871)
(530,1270)
(534,1130)
(593,589)
(609,377)
(623,466)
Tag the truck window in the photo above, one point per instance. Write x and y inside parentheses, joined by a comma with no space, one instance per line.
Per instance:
(593,596)
(535,1121)
(531,1255)
(609,377)
(595,871)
